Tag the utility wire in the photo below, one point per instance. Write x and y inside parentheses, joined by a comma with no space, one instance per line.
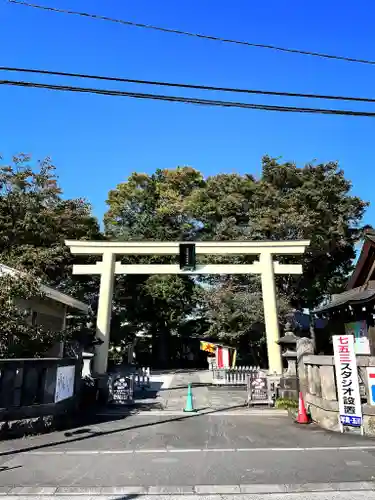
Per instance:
(196,35)
(188,100)
(187,85)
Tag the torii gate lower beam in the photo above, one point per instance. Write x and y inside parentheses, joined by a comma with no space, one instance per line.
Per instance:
(265,266)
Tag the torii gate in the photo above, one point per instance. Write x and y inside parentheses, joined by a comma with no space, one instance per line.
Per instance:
(265,266)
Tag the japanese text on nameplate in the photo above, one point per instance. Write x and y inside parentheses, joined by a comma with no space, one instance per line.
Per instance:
(347,381)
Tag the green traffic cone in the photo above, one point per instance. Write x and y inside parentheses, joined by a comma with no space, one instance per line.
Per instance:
(189,408)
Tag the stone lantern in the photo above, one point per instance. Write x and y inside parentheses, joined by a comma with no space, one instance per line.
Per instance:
(289,343)
(289,381)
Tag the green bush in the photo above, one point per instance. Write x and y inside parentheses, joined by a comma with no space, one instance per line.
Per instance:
(286,404)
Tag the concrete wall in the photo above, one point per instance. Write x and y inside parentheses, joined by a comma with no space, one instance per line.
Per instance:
(318,384)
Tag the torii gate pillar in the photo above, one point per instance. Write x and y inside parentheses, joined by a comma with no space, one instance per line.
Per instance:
(271,319)
(107,268)
(104,313)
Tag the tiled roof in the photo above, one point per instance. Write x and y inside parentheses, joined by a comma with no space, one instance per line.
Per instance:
(351,297)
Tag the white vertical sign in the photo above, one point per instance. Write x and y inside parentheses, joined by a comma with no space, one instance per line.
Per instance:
(65,376)
(350,409)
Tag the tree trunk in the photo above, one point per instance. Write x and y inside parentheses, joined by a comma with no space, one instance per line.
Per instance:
(160,347)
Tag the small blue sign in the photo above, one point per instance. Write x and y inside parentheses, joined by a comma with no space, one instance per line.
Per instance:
(351,421)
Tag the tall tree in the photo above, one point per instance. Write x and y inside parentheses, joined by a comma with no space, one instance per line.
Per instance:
(35,220)
(313,202)
(234,311)
(152,207)
(287,202)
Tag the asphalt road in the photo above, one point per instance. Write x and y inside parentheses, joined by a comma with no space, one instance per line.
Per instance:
(268,429)
(188,468)
(183,454)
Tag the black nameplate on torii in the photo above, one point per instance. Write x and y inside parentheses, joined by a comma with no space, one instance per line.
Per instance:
(187,256)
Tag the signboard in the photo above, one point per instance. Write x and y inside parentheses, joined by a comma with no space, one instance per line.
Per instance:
(121,391)
(187,256)
(360,332)
(350,409)
(258,389)
(260,383)
(65,376)
(371,385)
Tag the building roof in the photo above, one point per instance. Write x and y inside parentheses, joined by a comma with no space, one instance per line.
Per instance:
(50,292)
(365,266)
(361,285)
(350,297)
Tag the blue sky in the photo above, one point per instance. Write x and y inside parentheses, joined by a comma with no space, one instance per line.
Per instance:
(97,141)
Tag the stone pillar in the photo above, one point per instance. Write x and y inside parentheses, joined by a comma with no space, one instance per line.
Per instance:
(271,319)
(304,346)
(103,321)
(86,368)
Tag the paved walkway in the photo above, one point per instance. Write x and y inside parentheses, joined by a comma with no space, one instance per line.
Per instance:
(168,392)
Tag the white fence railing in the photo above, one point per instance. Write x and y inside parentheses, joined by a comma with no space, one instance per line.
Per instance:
(141,378)
(233,376)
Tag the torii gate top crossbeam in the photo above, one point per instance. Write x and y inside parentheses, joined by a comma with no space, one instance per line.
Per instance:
(201,247)
(266,266)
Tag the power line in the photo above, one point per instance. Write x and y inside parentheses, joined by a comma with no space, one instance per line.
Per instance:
(188,100)
(186,85)
(196,35)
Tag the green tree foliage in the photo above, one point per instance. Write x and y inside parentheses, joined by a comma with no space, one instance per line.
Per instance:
(18,336)
(235,310)
(152,207)
(287,202)
(313,202)
(35,220)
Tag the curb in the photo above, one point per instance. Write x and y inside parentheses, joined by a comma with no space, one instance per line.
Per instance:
(246,489)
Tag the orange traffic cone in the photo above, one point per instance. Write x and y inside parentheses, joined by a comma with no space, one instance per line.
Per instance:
(302,417)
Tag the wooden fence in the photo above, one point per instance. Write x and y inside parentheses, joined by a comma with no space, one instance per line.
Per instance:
(32,388)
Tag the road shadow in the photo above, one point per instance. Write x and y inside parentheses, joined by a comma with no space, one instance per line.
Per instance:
(145,399)
(4,468)
(130,496)
(86,433)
